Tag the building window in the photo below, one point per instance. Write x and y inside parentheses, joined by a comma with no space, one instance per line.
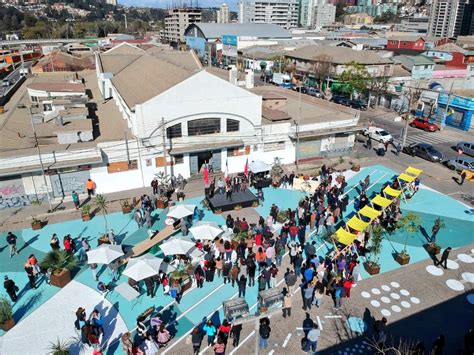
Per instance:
(47,107)
(174,131)
(268,147)
(233,125)
(179,159)
(427,66)
(204,126)
(121,166)
(34,98)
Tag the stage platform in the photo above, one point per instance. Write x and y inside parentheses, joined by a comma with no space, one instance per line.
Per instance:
(244,199)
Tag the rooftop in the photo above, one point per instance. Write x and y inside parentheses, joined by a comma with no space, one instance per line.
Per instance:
(339,55)
(407,38)
(313,110)
(260,30)
(58,87)
(16,134)
(449,47)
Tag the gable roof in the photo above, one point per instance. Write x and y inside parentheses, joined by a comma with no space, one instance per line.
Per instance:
(187,60)
(123,48)
(449,47)
(408,62)
(405,38)
(116,63)
(260,30)
(146,78)
(339,55)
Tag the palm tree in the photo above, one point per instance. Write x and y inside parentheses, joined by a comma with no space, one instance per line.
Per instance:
(437,226)
(59,260)
(102,206)
(59,347)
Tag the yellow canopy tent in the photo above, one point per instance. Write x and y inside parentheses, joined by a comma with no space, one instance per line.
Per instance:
(381,201)
(357,224)
(393,193)
(370,213)
(344,237)
(413,171)
(405,177)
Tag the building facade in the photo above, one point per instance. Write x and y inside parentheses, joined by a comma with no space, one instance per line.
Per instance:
(323,15)
(176,23)
(414,24)
(406,43)
(284,13)
(446,17)
(223,14)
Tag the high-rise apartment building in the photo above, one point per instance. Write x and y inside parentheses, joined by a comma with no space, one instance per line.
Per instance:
(176,23)
(284,13)
(467,26)
(316,13)
(223,15)
(446,17)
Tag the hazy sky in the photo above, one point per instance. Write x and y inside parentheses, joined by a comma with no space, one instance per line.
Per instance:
(174,3)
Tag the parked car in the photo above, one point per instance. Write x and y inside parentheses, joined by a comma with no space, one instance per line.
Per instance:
(378,134)
(424,124)
(461,163)
(358,104)
(315,92)
(6,82)
(341,100)
(425,151)
(467,148)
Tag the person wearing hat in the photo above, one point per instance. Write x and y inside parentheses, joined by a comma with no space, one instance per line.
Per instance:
(11,240)
(11,288)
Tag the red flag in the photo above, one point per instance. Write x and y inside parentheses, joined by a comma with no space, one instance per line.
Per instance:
(246,168)
(205,174)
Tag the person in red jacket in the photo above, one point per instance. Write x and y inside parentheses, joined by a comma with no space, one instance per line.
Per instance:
(347,285)
(224,331)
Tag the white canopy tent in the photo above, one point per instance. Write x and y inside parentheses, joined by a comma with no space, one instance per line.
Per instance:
(104,254)
(205,231)
(181,211)
(259,166)
(145,266)
(177,246)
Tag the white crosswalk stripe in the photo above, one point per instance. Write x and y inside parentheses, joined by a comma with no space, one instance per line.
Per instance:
(429,138)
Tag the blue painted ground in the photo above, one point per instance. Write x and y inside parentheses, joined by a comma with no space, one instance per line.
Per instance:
(199,303)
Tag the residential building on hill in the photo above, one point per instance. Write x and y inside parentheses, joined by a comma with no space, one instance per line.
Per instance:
(176,23)
(446,17)
(223,14)
(284,13)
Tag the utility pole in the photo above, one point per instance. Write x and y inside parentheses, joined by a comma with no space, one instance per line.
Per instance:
(40,160)
(126,23)
(163,136)
(443,120)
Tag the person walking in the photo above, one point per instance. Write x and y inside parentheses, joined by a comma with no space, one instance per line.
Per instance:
(307,325)
(369,142)
(286,303)
(242,284)
(196,340)
(398,149)
(235,334)
(11,288)
(31,275)
(11,240)
(463,177)
(444,258)
(264,331)
(308,296)
(154,186)
(210,331)
(290,279)
(75,199)
(312,339)
(90,187)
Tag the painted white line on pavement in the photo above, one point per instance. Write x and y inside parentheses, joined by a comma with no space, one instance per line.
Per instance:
(299,328)
(320,325)
(287,339)
(352,201)
(243,341)
(353,187)
(332,316)
(271,352)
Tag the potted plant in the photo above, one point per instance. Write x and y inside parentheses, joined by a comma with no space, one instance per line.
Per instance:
(126,208)
(255,204)
(408,224)
(86,212)
(182,278)
(355,165)
(282,216)
(218,211)
(372,265)
(276,173)
(237,238)
(102,206)
(59,347)
(61,263)
(237,207)
(432,247)
(164,186)
(6,314)
(36,223)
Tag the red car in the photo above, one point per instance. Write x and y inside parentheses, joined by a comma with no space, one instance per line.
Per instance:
(424,124)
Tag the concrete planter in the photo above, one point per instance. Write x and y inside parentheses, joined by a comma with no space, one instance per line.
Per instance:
(36,225)
(372,269)
(126,209)
(86,217)
(162,204)
(433,249)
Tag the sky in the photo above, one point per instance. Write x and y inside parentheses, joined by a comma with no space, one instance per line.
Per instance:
(175,3)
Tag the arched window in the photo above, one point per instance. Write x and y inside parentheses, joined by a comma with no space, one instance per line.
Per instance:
(233,125)
(204,126)
(174,131)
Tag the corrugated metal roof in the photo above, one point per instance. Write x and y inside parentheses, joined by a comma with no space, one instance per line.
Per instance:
(260,30)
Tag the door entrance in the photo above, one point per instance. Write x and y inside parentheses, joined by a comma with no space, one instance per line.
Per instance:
(197,160)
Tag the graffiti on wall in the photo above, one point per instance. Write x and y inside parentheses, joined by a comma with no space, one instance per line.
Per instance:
(18,201)
(65,183)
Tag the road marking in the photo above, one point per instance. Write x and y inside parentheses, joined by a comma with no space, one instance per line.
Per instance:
(271,352)
(319,323)
(287,339)
(351,201)
(332,316)
(243,341)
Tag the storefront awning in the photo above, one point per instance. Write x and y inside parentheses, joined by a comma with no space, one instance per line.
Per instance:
(194,148)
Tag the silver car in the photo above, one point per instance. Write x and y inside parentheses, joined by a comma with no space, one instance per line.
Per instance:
(466,147)
(461,163)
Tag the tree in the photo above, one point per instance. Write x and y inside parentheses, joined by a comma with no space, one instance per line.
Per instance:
(102,206)
(355,78)
(437,226)
(322,68)
(375,245)
(408,224)
(377,85)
